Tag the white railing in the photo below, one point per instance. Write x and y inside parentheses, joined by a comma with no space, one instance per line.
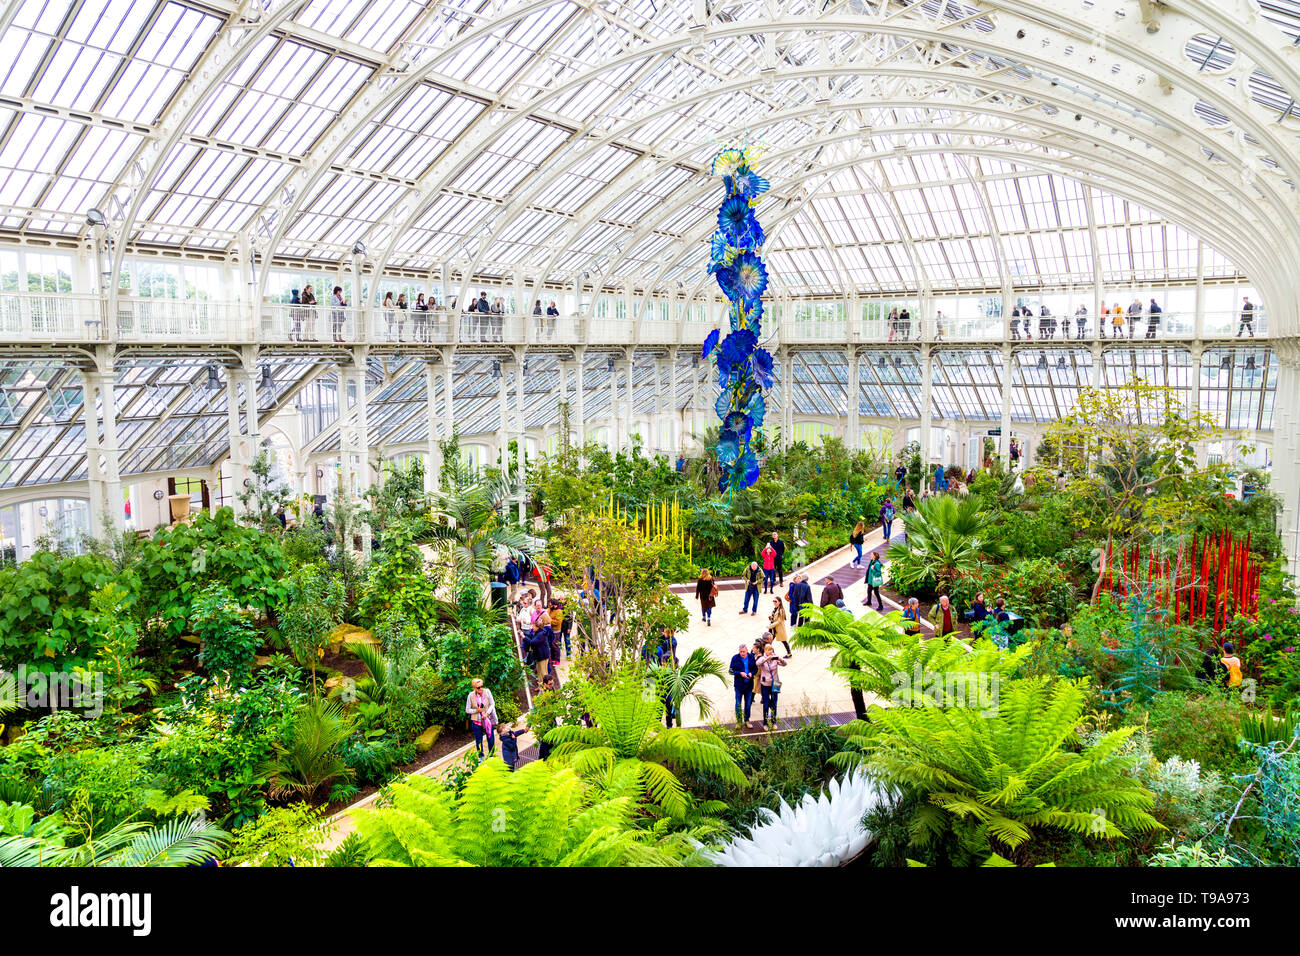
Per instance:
(50,317)
(36,317)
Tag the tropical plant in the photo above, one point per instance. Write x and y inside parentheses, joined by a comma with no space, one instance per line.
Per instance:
(470,528)
(541,815)
(228,640)
(989,782)
(309,758)
(629,732)
(181,841)
(284,836)
(679,682)
(947,538)
(314,607)
(874,656)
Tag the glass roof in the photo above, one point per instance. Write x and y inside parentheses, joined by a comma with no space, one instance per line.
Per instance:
(565,137)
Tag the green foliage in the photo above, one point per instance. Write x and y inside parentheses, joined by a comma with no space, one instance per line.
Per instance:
(185,841)
(540,815)
(46,619)
(228,640)
(397,581)
(181,562)
(947,538)
(1191,854)
(118,637)
(308,759)
(215,739)
(285,836)
(470,527)
(314,606)
(106,785)
(265,496)
(990,782)
(1203,727)
(678,682)
(478,645)
(399,496)
(629,736)
(375,759)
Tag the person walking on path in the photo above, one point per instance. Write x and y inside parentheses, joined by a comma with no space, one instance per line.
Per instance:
(753,577)
(510,746)
(798,594)
(769,683)
(769,568)
(778,629)
(912,617)
(706,592)
(856,539)
(482,711)
(887,518)
(779,564)
(831,592)
(875,577)
(942,615)
(742,682)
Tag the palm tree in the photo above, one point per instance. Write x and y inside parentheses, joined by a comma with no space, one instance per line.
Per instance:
(542,815)
(469,524)
(629,733)
(678,682)
(184,841)
(947,538)
(310,758)
(872,651)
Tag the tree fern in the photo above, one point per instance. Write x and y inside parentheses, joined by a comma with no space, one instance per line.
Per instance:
(541,815)
(992,780)
(628,716)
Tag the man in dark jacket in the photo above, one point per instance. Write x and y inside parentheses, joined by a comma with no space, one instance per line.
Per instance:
(799,594)
(753,577)
(743,669)
(779,547)
(831,592)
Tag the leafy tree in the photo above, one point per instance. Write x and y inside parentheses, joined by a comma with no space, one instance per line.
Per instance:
(45,609)
(991,782)
(629,733)
(397,579)
(478,643)
(314,606)
(541,815)
(228,640)
(265,495)
(1129,457)
(400,494)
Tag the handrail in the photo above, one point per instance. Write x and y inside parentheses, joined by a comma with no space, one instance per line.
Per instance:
(70,318)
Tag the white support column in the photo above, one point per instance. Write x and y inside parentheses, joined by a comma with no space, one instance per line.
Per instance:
(503,427)
(660,406)
(433,464)
(448,397)
(1199,320)
(520,432)
(580,399)
(240,397)
(927,368)
(1285,478)
(1004,438)
(627,401)
(675,429)
(1194,399)
(854,437)
(102,456)
(612,365)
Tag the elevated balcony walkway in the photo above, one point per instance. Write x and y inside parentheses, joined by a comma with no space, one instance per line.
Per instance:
(51,320)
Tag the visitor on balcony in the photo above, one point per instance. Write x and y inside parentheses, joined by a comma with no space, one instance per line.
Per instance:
(905,325)
(1247,318)
(1081,319)
(295,315)
(308,314)
(938,326)
(1015,322)
(401,314)
(420,320)
(1134,313)
(390,313)
(1044,323)
(1153,318)
(1117,321)
(893,324)
(338,316)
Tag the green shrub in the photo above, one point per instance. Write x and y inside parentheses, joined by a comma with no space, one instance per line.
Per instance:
(228,640)
(1198,726)
(45,614)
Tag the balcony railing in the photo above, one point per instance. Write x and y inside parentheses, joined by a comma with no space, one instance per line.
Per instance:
(66,318)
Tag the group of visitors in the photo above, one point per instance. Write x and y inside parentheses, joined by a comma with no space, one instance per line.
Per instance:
(302,313)
(543,629)
(759,667)
(422,323)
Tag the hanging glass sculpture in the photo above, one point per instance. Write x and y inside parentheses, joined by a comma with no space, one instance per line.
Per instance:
(744,369)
